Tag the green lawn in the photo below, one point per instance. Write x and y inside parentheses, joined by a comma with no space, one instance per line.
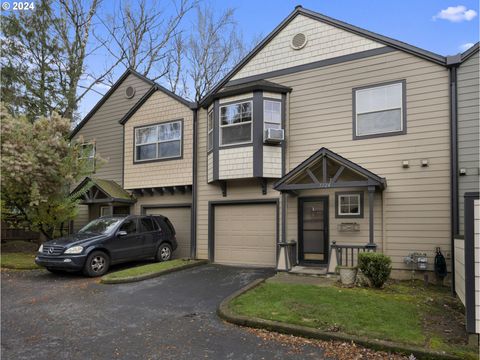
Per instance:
(145,270)
(18,261)
(402,313)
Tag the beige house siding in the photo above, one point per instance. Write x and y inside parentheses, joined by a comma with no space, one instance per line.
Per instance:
(157,109)
(272,161)
(236,163)
(103,128)
(210,167)
(416,202)
(342,238)
(239,98)
(246,189)
(161,200)
(468,129)
(323,42)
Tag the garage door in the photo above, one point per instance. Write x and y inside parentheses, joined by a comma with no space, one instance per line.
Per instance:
(245,234)
(180,218)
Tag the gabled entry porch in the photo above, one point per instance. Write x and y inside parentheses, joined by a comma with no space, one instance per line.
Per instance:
(103,197)
(332,209)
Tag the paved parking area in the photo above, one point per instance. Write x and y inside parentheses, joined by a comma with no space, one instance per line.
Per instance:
(47,316)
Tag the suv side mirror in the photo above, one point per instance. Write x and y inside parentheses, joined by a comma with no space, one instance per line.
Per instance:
(122,233)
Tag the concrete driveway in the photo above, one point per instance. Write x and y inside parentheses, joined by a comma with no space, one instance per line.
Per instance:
(47,316)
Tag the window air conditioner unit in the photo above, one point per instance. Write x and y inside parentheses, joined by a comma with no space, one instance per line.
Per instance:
(274,136)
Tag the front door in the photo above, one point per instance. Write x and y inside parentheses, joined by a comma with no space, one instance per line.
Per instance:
(313,230)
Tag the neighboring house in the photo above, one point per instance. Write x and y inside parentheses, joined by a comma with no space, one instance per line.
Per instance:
(326,134)
(100,132)
(131,169)
(466,207)
(468,123)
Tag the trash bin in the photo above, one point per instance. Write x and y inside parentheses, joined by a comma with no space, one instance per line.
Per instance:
(287,255)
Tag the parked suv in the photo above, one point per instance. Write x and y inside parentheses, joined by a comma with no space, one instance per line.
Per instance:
(110,240)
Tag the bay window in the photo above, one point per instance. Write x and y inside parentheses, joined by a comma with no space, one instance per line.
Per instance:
(236,123)
(272,114)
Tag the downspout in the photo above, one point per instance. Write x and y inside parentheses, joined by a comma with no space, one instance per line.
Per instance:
(193,230)
(453,165)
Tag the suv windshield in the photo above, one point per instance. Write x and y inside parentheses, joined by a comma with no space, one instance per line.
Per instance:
(101,226)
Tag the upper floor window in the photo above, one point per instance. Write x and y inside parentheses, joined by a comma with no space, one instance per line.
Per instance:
(210,130)
(157,142)
(272,114)
(379,110)
(236,123)
(88,153)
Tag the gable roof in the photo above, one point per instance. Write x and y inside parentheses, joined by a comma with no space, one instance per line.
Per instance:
(469,52)
(299,10)
(147,95)
(112,191)
(372,179)
(114,87)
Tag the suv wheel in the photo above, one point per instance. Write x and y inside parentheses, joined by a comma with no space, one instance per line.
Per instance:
(97,264)
(164,252)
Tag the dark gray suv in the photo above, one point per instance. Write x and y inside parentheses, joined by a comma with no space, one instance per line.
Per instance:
(110,240)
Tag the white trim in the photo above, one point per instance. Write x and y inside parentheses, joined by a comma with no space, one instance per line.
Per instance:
(339,210)
(379,110)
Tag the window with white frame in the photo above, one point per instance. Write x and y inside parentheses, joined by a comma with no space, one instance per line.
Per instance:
(349,204)
(272,114)
(88,154)
(236,123)
(379,110)
(157,142)
(210,121)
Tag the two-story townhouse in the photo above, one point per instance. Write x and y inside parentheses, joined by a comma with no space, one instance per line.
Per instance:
(365,163)
(148,175)
(326,134)
(102,135)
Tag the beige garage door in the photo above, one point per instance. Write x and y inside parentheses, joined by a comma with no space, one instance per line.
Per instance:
(245,234)
(180,218)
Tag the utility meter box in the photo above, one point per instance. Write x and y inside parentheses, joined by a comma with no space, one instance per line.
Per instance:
(422,263)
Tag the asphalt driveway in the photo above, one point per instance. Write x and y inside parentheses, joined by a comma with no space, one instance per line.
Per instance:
(45,316)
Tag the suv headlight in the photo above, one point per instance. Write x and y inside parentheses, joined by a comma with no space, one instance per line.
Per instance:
(40,249)
(74,250)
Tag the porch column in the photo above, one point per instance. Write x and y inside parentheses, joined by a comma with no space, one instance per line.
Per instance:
(110,205)
(371,220)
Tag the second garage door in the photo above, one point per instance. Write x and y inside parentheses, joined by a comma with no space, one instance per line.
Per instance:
(245,234)
(181,220)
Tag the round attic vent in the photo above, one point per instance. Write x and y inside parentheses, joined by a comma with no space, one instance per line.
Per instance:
(129,92)
(298,41)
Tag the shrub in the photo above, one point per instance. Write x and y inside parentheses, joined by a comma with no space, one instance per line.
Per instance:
(376,267)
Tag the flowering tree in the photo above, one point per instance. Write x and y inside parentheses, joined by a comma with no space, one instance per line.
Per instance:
(38,169)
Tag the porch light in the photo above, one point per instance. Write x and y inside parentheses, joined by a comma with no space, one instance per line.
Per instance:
(405,164)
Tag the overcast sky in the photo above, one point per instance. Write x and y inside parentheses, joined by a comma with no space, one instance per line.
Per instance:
(444,27)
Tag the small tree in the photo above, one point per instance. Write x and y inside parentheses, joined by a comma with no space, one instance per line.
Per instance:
(38,169)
